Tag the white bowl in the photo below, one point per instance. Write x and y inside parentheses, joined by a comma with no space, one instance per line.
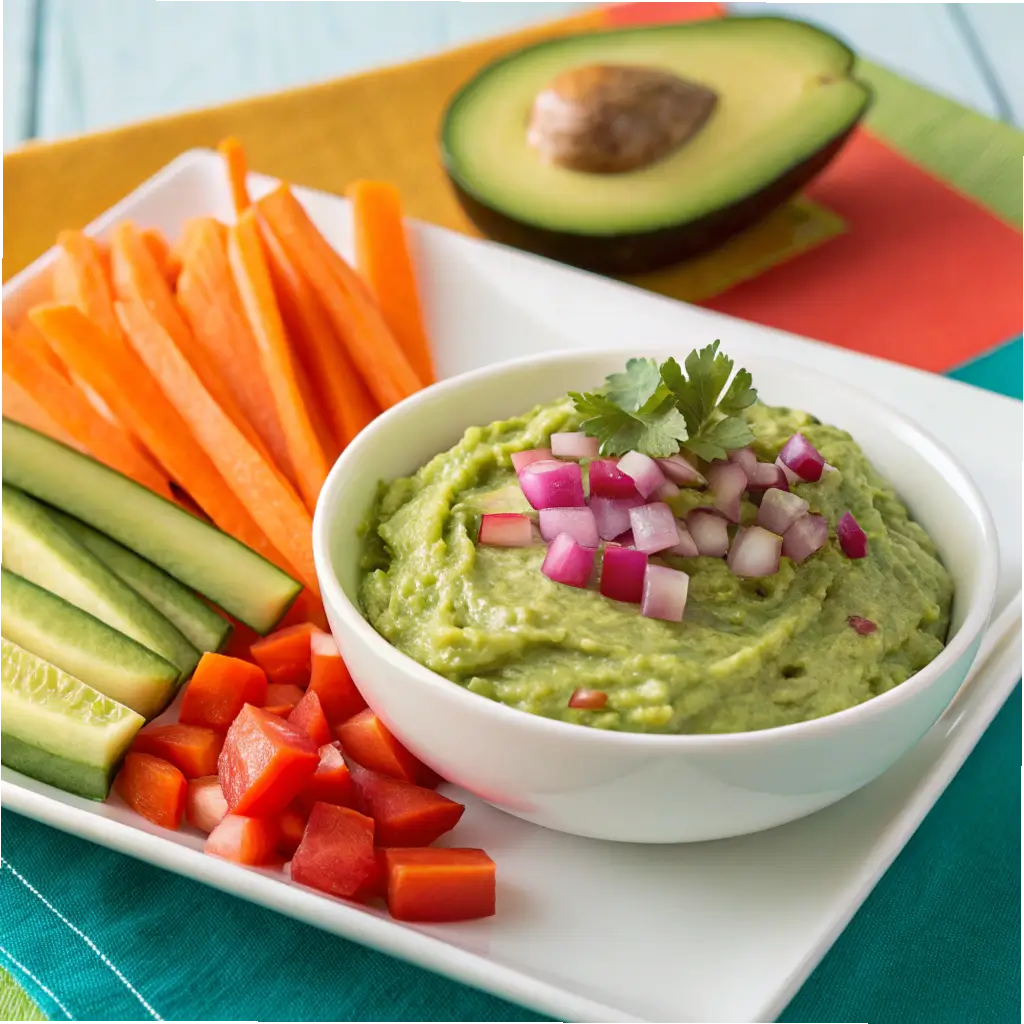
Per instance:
(629,786)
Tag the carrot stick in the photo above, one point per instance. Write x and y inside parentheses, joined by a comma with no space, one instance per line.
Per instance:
(274,505)
(382,256)
(252,279)
(353,314)
(113,369)
(138,281)
(234,160)
(28,338)
(75,414)
(336,390)
(21,406)
(166,259)
(82,279)
(209,297)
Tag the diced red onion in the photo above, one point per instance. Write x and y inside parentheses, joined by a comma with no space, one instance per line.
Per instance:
(863,626)
(710,532)
(612,514)
(607,481)
(746,459)
(588,700)
(574,444)
(654,527)
(780,510)
(624,540)
(622,574)
(506,530)
(579,523)
(681,472)
(852,539)
(807,535)
(644,471)
(755,552)
(728,481)
(552,484)
(799,455)
(568,562)
(766,476)
(792,479)
(520,460)
(665,491)
(685,547)
(664,593)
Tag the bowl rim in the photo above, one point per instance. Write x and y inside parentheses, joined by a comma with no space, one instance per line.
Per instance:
(962,485)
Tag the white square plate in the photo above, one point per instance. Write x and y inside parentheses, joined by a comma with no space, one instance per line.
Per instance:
(586,930)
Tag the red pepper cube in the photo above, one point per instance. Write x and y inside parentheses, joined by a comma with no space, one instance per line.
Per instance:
(285,655)
(205,806)
(331,782)
(439,885)
(309,716)
(336,854)
(329,679)
(192,749)
(291,823)
(264,763)
(244,840)
(366,740)
(218,689)
(152,787)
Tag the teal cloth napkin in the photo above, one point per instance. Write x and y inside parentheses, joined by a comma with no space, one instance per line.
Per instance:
(93,935)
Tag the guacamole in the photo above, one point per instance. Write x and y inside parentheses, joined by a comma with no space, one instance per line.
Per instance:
(749,654)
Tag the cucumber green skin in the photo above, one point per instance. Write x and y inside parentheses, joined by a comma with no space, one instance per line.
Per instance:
(25,517)
(86,780)
(232,576)
(84,647)
(204,628)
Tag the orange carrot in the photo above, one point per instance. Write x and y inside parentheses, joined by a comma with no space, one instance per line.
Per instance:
(382,256)
(210,300)
(192,749)
(82,279)
(336,390)
(234,161)
(274,505)
(139,282)
(113,369)
(252,279)
(354,315)
(19,405)
(26,364)
(28,338)
(166,259)
(285,655)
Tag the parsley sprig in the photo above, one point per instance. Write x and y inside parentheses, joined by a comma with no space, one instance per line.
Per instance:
(659,409)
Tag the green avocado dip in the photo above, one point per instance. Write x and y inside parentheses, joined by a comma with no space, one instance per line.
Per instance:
(750,653)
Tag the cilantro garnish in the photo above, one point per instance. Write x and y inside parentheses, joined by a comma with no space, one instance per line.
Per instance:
(657,410)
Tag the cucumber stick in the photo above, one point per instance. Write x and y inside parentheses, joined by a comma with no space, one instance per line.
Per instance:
(204,628)
(58,730)
(79,644)
(42,552)
(197,554)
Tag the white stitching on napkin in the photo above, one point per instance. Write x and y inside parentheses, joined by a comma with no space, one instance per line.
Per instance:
(23,968)
(85,938)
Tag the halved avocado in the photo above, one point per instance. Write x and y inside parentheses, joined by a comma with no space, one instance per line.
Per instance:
(784,101)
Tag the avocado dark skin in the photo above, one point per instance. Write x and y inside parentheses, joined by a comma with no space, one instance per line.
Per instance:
(624,255)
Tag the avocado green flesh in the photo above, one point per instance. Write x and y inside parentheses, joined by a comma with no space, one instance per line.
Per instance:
(784,93)
(201,625)
(39,550)
(84,647)
(750,653)
(57,729)
(232,576)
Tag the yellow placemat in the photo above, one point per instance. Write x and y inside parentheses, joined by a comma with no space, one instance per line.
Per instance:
(379,124)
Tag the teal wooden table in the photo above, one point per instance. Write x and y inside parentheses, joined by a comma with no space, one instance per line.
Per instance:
(73,66)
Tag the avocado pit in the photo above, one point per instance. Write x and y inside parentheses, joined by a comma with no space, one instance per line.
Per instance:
(612,118)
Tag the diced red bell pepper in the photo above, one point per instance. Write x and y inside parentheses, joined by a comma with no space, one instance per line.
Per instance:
(291,823)
(404,814)
(264,764)
(244,840)
(331,782)
(366,740)
(205,806)
(281,698)
(285,655)
(439,885)
(192,749)
(153,787)
(330,681)
(336,854)
(218,688)
(309,716)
